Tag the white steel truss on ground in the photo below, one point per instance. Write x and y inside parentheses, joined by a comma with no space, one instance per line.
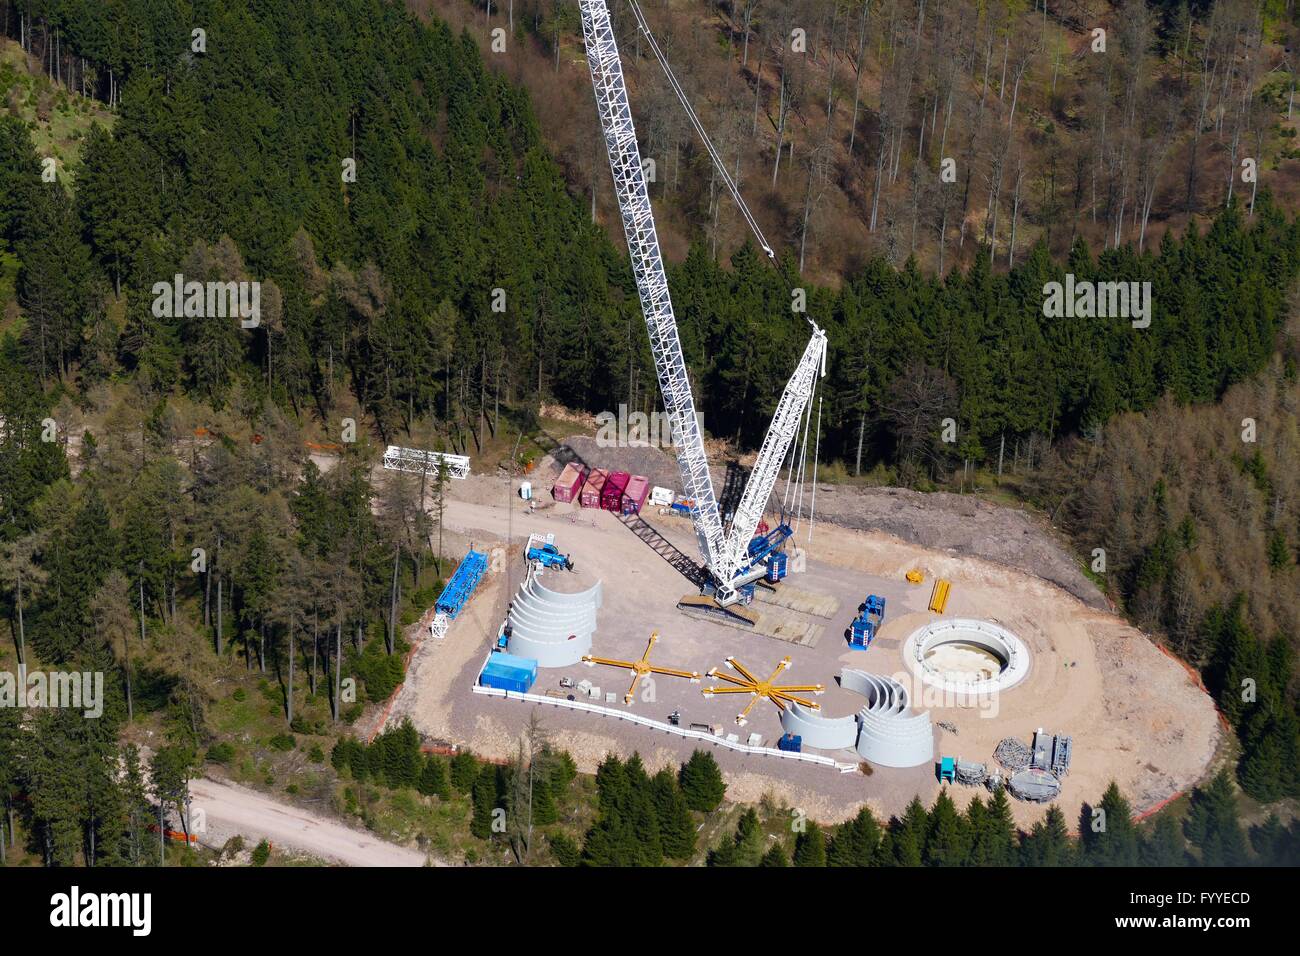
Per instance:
(421,462)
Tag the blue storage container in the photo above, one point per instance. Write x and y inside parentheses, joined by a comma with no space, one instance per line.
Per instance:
(791,742)
(509,672)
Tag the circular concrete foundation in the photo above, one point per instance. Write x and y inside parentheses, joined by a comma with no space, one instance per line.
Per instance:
(965,656)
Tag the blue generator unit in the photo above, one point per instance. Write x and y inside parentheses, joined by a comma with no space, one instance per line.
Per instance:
(861,633)
(870,616)
(791,742)
(508,672)
(776,566)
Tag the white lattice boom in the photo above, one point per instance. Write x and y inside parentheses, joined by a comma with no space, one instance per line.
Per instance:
(425,462)
(723,555)
(782,431)
(648,267)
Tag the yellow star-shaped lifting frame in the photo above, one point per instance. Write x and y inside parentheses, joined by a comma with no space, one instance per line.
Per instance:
(779,695)
(641,668)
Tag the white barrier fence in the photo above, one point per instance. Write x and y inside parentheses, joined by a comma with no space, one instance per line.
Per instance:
(665,727)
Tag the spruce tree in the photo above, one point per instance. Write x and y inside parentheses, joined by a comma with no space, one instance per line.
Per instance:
(1048,843)
(676,827)
(1274,844)
(433,778)
(464,771)
(1162,844)
(855,842)
(1110,837)
(701,782)
(564,850)
(486,801)
(948,841)
(810,846)
(995,836)
(1213,824)
(775,856)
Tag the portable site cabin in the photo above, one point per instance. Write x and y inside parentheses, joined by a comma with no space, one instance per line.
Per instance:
(508,672)
(591,491)
(635,495)
(611,497)
(569,485)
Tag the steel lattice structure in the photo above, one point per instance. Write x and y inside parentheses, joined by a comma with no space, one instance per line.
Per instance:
(648,267)
(421,462)
(725,555)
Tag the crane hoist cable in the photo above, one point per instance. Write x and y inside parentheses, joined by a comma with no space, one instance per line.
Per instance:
(714,156)
(699,128)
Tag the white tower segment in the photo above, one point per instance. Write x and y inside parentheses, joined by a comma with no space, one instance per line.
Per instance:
(648,267)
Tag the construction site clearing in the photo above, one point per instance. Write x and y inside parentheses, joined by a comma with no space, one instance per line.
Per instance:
(1133,713)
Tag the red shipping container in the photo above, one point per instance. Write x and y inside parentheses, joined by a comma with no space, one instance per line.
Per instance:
(594,486)
(611,497)
(635,495)
(569,485)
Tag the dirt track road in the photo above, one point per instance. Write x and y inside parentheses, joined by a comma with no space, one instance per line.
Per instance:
(231,809)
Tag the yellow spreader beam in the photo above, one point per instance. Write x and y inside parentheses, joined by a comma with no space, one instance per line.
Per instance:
(641,667)
(747,683)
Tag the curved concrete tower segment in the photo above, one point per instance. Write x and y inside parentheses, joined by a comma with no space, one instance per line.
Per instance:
(552,627)
(824,733)
(883,731)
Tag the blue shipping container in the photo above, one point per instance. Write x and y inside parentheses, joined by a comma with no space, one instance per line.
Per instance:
(505,680)
(509,672)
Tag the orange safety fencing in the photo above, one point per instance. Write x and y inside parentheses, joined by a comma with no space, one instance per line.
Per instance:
(1196,679)
(174,835)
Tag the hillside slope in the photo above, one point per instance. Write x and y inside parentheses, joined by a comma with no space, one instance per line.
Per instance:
(838,114)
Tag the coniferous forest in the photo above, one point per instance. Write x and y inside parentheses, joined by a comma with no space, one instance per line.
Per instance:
(380,298)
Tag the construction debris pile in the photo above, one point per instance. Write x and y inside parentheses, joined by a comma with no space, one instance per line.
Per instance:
(1035,772)
(971,774)
(1012,754)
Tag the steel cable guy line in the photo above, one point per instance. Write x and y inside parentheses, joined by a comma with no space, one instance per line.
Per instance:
(716,158)
(699,128)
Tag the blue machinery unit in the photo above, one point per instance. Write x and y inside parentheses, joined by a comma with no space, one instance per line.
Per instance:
(870,616)
(766,549)
(462,584)
(791,742)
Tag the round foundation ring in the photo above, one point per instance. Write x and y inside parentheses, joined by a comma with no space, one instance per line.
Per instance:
(964,656)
